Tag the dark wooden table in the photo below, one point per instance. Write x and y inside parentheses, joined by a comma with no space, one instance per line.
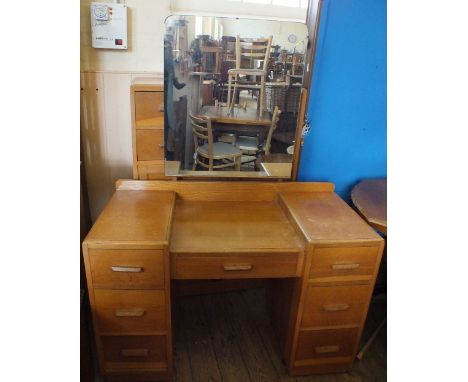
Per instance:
(370,198)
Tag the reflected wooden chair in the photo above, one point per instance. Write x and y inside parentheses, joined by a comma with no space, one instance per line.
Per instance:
(251,147)
(247,52)
(209,154)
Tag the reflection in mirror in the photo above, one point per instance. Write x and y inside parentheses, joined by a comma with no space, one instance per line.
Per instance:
(232,94)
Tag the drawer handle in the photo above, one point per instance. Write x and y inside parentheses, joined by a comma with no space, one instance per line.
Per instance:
(345,266)
(327,349)
(161,145)
(129,313)
(134,352)
(336,307)
(127,269)
(161,108)
(240,267)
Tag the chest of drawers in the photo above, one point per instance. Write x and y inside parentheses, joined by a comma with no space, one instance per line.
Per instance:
(147,103)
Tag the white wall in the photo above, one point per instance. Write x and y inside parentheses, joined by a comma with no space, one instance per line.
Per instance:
(106,132)
(105,113)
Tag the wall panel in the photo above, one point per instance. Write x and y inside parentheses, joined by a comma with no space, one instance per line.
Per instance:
(106,132)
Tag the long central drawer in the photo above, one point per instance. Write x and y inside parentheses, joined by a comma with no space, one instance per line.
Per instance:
(236,265)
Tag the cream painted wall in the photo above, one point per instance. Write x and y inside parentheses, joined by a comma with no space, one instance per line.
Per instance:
(145,35)
(106,76)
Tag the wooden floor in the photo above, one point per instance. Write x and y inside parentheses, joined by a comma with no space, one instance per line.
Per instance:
(227,337)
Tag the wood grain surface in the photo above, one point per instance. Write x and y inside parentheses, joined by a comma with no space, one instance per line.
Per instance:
(370,199)
(221,227)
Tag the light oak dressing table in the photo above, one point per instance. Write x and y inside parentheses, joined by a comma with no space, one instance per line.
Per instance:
(321,259)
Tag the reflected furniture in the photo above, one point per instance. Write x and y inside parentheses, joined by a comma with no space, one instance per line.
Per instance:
(147,110)
(213,50)
(249,51)
(319,257)
(238,121)
(252,146)
(197,80)
(276,169)
(238,116)
(275,164)
(219,155)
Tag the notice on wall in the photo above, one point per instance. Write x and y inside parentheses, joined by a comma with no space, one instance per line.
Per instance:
(109,25)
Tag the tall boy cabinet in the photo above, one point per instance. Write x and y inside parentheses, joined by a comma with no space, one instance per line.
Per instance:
(147,103)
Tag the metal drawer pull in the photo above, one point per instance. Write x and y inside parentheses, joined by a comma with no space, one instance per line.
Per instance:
(335,307)
(327,349)
(161,108)
(127,269)
(134,352)
(129,313)
(345,266)
(161,145)
(232,267)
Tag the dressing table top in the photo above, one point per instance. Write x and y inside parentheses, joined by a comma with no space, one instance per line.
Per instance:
(134,218)
(232,226)
(325,217)
(222,216)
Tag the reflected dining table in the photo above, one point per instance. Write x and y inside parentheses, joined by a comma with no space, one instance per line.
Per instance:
(237,116)
(249,121)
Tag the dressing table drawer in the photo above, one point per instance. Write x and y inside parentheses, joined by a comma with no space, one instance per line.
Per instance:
(134,352)
(120,311)
(344,261)
(236,266)
(127,269)
(335,305)
(328,343)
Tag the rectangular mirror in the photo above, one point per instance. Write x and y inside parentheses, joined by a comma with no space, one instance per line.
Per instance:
(232,91)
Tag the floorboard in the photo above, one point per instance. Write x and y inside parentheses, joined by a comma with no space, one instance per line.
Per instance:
(197,335)
(228,337)
(227,350)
